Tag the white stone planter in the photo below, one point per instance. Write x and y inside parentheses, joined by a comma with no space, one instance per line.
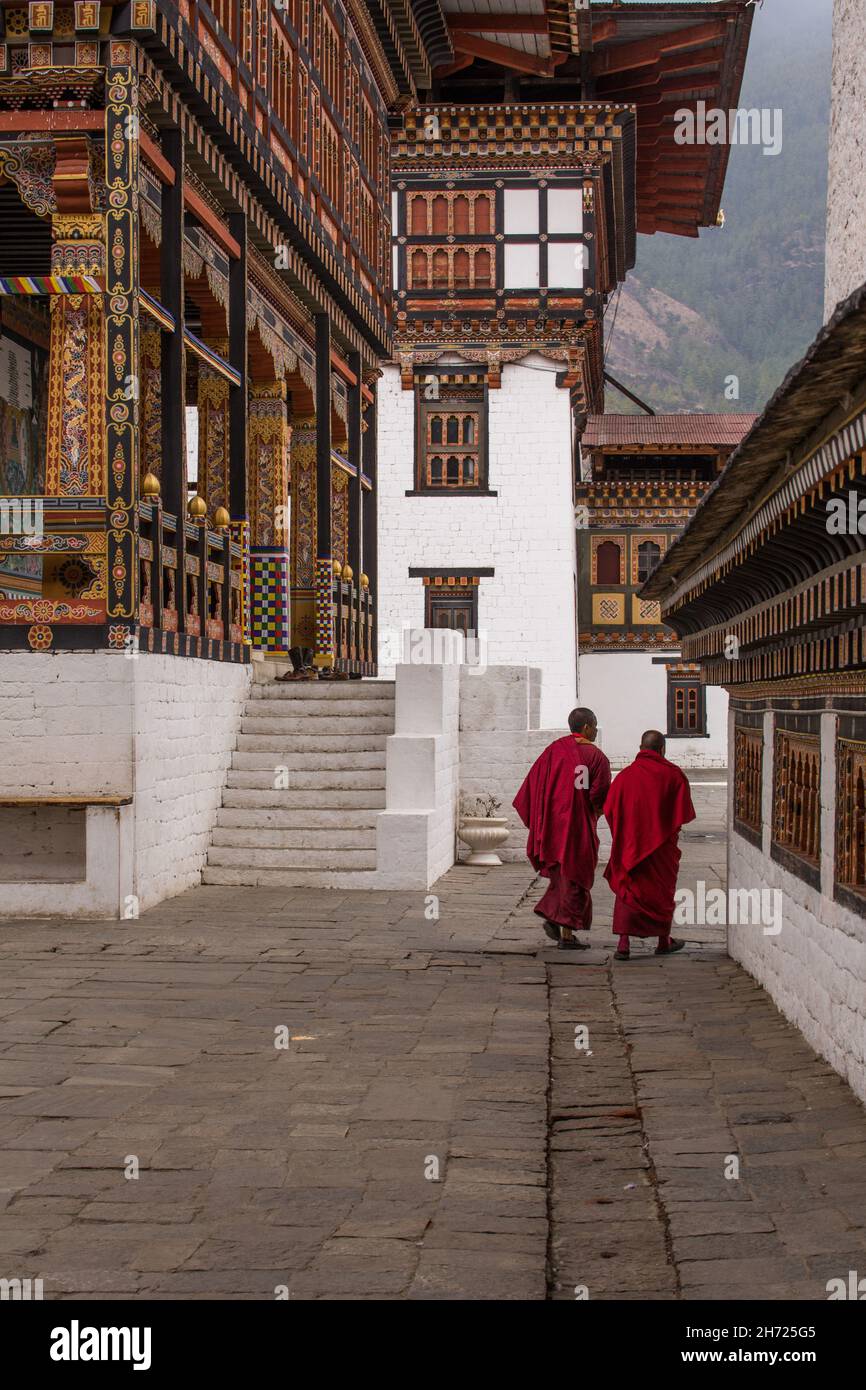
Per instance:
(483,835)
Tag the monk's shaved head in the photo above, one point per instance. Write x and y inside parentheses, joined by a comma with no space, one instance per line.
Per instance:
(581,719)
(653,741)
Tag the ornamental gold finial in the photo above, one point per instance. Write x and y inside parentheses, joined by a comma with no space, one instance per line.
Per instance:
(197,508)
(150,485)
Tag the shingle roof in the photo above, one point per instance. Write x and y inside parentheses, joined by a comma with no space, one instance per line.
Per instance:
(631,431)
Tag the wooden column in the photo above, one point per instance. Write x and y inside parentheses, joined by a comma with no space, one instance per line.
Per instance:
(356,553)
(370,521)
(173,479)
(324,651)
(237,504)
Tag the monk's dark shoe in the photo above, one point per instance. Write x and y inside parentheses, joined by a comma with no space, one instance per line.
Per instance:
(622,955)
(572,944)
(550,929)
(669,950)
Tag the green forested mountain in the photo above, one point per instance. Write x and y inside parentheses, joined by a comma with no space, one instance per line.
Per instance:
(745,299)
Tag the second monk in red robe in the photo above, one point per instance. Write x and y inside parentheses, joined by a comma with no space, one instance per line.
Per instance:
(646,808)
(560,802)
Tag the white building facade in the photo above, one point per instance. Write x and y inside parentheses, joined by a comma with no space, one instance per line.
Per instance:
(508,551)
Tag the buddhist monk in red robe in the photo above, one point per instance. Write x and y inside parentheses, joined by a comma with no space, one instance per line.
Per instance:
(560,802)
(646,808)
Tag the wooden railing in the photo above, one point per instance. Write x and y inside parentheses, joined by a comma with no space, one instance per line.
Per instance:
(353,628)
(204,601)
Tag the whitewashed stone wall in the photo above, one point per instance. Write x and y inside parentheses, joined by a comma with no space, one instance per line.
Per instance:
(814,969)
(158,729)
(628,695)
(846,192)
(187,716)
(416,833)
(499,741)
(526,533)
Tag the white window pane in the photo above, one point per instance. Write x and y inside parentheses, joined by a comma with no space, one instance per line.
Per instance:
(521,210)
(564,210)
(521,265)
(394,263)
(565,261)
(395,213)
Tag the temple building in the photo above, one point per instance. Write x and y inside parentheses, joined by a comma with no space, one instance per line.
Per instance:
(194,217)
(766,590)
(642,477)
(520,183)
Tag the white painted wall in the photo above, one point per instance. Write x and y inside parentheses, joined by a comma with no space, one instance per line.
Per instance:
(526,533)
(158,729)
(629,695)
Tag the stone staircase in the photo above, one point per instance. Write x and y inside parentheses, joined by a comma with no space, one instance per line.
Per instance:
(305,786)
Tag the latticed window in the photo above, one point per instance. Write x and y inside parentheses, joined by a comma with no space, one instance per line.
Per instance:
(648,556)
(686,707)
(450,443)
(797,794)
(748,774)
(851,815)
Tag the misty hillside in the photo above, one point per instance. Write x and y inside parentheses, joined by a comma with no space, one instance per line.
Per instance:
(745,299)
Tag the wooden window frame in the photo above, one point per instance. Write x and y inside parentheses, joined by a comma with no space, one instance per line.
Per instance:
(849,885)
(688,687)
(748,774)
(426,450)
(795,845)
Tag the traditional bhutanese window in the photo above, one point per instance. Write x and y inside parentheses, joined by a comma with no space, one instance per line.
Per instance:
(609,563)
(748,777)
(797,794)
(482,220)
(687,715)
(483,266)
(224,11)
(851,816)
(648,556)
(461,269)
(450,444)
(281,81)
(368,138)
(440,269)
(439,211)
(419,273)
(418,216)
(331,61)
(461,215)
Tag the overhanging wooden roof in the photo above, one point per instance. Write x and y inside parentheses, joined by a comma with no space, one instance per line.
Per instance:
(815,393)
(661,55)
(625,432)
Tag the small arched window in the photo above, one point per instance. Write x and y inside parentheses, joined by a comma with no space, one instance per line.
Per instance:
(608,563)
(648,556)
(468,429)
(452,435)
(436,429)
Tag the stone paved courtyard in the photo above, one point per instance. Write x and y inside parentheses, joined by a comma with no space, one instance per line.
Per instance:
(431,1130)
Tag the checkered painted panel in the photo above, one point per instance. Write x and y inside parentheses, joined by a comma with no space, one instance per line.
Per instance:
(269,575)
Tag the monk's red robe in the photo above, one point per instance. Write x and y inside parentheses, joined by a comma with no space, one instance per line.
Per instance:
(646,808)
(560,802)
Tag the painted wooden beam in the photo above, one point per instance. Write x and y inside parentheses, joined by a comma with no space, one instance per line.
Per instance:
(500,53)
(499,23)
(644,52)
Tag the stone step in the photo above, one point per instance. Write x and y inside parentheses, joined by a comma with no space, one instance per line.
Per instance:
(333,843)
(310,762)
(286,724)
(252,798)
(221,856)
(329,780)
(288,878)
(300,818)
(320,709)
(322,690)
(284,747)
